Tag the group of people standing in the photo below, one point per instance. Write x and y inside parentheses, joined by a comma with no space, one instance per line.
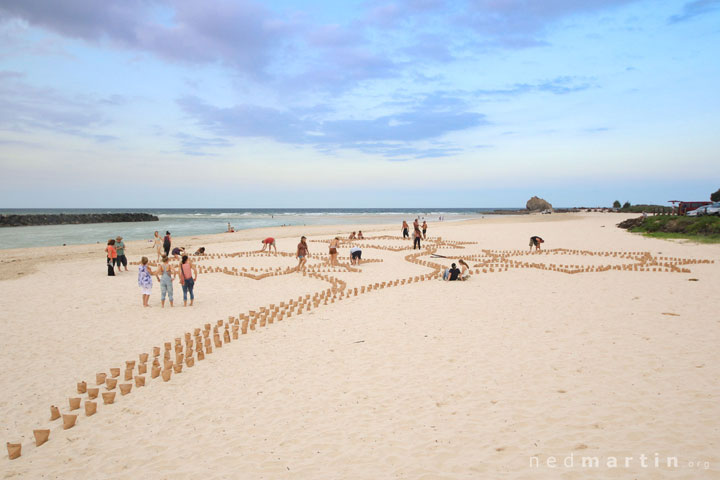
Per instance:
(165,273)
(115,256)
(418,234)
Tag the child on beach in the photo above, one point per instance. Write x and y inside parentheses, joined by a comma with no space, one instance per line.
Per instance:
(111,257)
(165,274)
(145,280)
(120,249)
(302,252)
(188,277)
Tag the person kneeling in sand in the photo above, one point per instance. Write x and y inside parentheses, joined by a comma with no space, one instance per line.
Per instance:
(535,242)
(200,251)
(352,236)
(360,235)
(269,243)
(464,270)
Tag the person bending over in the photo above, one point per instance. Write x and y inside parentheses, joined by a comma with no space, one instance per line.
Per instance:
(269,243)
(535,242)
(355,255)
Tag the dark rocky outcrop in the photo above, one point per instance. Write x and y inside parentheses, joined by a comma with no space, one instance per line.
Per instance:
(536,204)
(73,218)
(631,223)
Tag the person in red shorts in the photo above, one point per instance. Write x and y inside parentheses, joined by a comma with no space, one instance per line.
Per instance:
(269,243)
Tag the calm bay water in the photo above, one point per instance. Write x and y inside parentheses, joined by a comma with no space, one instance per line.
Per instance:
(184,222)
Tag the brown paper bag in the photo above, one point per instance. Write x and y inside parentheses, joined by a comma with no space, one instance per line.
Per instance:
(177,367)
(139,381)
(110,383)
(125,388)
(108,397)
(14,450)
(90,408)
(166,375)
(142,368)
(41,436)
(69,420)
(155,372)
(54,412)
(74,403)
(128,374)
(93,392)
(144,357)
(82,387)
(115,372)
(100,378)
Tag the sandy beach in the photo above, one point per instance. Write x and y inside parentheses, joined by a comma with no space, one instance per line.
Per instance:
(605,346)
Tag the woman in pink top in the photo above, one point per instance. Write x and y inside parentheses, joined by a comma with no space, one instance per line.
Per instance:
(188,276)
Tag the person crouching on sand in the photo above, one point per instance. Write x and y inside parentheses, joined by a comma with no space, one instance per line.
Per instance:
(360,235)
(302,253)
(269,243)
(188,277)
(535,242)
(166,287)
(452,273)
(355,255)
(145,280)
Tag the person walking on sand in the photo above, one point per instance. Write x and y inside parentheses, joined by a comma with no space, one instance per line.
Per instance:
(417,235)
(269,243)
(334,245)
(535,242)
(405,230)
(188,276)
(157,245)
(145,280)
(167,243)
(111,257)
(120,249)
(302,252)
(165,274)
(424,230)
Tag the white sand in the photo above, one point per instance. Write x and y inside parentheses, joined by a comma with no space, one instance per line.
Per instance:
(421,381)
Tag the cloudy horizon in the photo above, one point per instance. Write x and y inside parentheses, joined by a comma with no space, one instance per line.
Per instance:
(478,103)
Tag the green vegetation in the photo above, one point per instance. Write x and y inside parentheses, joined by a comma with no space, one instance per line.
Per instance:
(704,229)
(616,204)
(715,197)
(646,208)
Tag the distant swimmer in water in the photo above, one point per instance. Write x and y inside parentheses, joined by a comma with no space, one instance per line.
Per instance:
(535,242)
(269,243)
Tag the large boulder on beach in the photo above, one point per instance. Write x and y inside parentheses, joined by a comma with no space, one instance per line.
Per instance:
(537,204)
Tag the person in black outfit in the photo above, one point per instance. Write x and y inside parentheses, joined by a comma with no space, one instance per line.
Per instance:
(167,243)
(418,236)
(452,274)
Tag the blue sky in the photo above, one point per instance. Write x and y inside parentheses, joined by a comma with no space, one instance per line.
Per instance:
(235,103)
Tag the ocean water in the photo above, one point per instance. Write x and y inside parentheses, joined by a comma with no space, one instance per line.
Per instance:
(185,222)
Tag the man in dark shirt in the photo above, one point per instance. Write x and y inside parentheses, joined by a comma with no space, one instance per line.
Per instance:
(453,273)
(535,242)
